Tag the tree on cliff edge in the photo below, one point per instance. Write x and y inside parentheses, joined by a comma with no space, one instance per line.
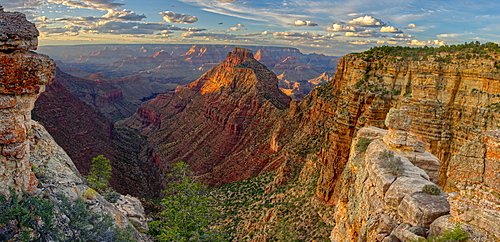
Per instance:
(186,213)
(99,173)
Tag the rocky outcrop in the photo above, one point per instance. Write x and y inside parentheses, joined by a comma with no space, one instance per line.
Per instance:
(382,194)
(216,124)
(24,76)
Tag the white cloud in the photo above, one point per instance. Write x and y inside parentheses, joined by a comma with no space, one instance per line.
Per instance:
(342,28)
(227,1)
(411,26)
(304,23)
(448,35)
(428,42)
(123,15)
(366,21)
(240,25)
(390,29)
(172,17)
(234,29)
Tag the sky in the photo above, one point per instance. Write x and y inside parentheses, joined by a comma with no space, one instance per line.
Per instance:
(332,27)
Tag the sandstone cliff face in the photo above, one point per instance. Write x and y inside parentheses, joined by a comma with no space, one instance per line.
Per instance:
(216,124)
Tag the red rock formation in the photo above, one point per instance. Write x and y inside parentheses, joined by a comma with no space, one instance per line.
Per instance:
(216,124)
(24,76)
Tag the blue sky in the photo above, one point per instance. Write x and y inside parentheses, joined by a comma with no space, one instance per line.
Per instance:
(333,27)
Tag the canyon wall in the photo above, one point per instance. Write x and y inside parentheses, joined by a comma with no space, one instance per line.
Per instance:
(450,102)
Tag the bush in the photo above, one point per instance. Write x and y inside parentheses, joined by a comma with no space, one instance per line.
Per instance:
(431,189)
(392,163)
(450,235)
(32,214)
(363,143)
(31,218)
(112,196)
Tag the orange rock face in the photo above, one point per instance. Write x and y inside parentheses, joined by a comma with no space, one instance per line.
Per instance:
(216,124)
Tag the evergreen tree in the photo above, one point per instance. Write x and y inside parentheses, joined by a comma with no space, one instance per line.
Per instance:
(187,213)
(99,173)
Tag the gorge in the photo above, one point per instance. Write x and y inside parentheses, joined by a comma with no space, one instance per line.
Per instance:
(350,161)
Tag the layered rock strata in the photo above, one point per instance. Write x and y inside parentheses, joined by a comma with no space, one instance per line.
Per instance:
(450,103)
(216,124)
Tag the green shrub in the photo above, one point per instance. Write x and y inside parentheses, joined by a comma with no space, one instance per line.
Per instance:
(392,163)
(450,235)
(35,218)
(33,214)
(363,143)
(112,196)
(431,189)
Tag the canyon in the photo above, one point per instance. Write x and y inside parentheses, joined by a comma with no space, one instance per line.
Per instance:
(401,144)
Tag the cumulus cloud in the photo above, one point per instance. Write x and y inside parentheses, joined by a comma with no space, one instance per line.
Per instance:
(234,29)
(304,23)
(240,25)
(123,15)
(390,29)
(227,1)
(66,30)
(366,21)
(294,35)
(89,4)
(172,17)
(342,28)
(175,28)
(448,35)
(411,26)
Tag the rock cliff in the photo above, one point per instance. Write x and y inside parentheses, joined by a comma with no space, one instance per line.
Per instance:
(216,124)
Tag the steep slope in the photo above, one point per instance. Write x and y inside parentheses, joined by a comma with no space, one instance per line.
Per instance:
(216,124)
(85,133)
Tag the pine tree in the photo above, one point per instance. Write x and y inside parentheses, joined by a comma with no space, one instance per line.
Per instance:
(99,173)
(187,213)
